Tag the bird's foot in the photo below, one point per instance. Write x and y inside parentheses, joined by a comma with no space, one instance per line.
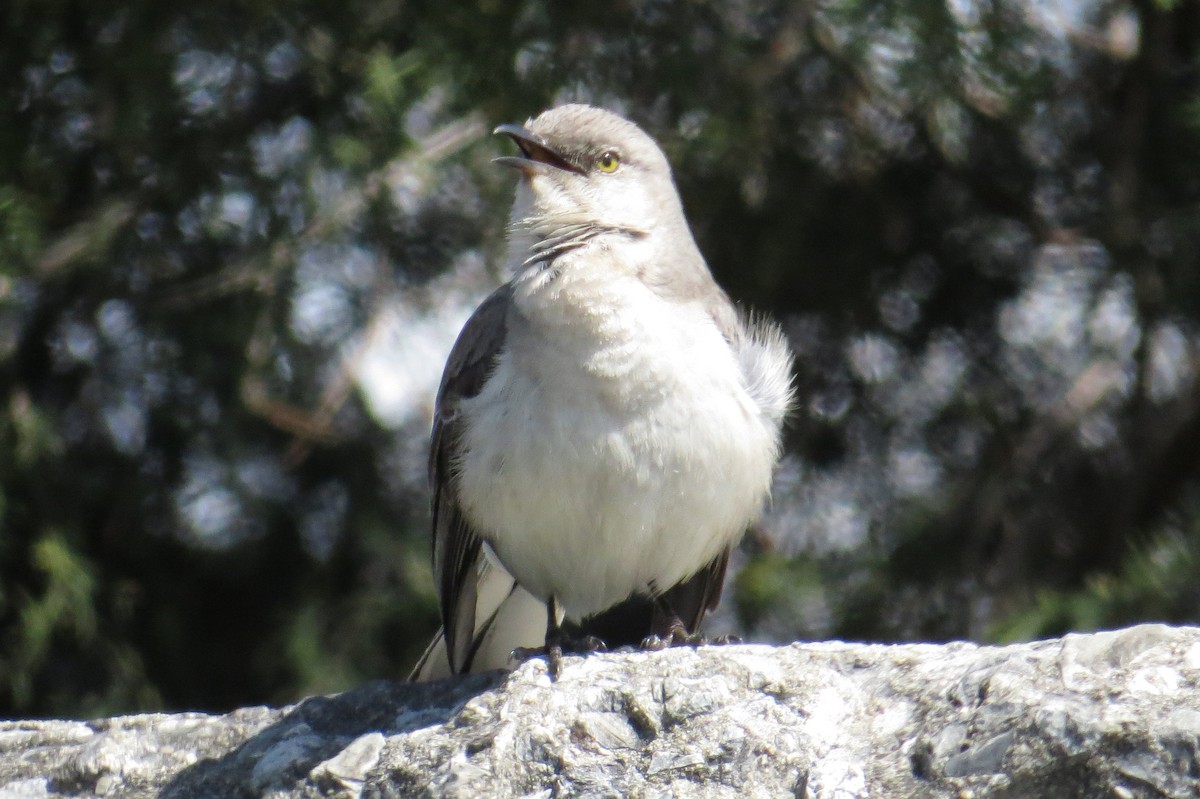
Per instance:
(554,656)
(552,653)
(677,635)
(554,650)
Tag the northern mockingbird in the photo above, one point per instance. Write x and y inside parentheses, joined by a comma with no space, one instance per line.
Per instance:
(607,422)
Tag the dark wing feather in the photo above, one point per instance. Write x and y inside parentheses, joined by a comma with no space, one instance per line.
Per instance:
(631,621)
(697,595)
(456,546)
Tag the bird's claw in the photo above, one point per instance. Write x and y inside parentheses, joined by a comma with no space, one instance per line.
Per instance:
(679,636)
(675,635)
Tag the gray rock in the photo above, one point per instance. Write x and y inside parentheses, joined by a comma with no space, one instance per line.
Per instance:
(1114,714)
(346,772)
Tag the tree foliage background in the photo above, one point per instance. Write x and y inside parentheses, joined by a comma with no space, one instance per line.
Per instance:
(237,240)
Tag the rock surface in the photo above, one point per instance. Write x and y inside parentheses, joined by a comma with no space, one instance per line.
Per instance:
(1114,714)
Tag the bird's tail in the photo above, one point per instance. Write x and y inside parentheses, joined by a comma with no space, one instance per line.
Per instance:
(507,617)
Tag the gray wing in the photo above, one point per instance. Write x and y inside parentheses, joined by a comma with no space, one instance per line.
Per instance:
(765,358)
(456,545)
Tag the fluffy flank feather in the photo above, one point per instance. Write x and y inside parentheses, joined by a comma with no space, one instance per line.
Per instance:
(766,359)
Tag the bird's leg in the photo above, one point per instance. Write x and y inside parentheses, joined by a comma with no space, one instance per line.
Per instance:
(559,641)
(554,639)
(553,648)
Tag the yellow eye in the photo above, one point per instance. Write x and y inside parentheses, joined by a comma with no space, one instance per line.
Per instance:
(608,161)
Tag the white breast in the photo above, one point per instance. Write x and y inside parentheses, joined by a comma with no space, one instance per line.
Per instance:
(615,447)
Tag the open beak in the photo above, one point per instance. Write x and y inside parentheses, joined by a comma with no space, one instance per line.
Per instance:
(536,154)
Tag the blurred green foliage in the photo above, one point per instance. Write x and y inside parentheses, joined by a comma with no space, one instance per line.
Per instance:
(236,243)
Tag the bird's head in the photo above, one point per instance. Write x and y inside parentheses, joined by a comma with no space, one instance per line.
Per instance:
(585,165)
